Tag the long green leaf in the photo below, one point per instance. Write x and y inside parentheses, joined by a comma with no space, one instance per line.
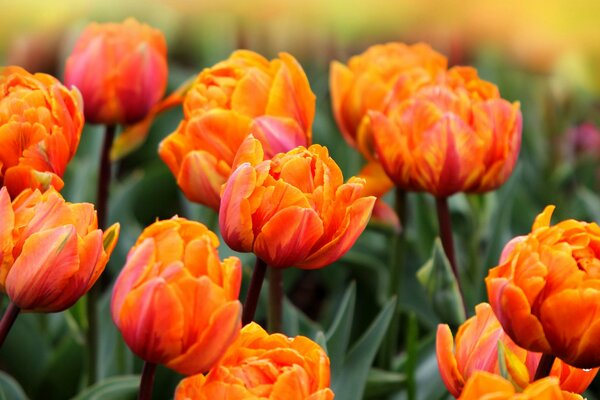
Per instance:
(338,335)
(115,388)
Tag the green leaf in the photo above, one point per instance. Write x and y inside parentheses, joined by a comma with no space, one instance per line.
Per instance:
(115,388)
(438,280)
(350,384)
(338,335)
(381,383)
(10,388)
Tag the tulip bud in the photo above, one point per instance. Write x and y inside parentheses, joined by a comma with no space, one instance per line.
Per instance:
(120,69)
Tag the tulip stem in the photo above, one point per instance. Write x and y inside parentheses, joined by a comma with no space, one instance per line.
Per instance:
(545,366)
(258,276)
(147,381)
(275,299)
(8,319)
(104,177)
(445,224)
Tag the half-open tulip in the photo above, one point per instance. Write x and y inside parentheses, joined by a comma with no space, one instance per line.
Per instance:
(243,94)
(484,385)
(120,69)
(294,209)
(374,80)
(263,366)
(175,302)
(453,135)
(52,251)
(546,290)
(476,349)
(40,126)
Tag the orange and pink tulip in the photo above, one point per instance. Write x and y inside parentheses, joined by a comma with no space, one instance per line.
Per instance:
(175,302)
(475,348)
(244,94)
(52,251)
(40,127)
(455,134)
(294,209)
(120,69)
(546,290)
(262,366)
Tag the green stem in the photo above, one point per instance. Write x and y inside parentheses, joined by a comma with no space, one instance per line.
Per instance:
(544,367)
(275,299)
(8,319)
(147,381)
(445,225)
(258,276)
(389,346)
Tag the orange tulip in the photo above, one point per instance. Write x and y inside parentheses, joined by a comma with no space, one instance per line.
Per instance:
(292,210)
(40,126)
(245,93)
(483,385)
(454,135)
(546,290)
(52,252)
(263,366)
(174,302)
(476,349)
(372,81)
(120,69)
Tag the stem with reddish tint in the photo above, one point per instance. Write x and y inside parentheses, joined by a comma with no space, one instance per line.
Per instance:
(544,367)
(275,300)
(258,276)
(104,280)
(147,381)
(445,224)
(8,319)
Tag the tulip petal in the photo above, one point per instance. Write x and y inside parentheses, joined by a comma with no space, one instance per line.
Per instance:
(446,359)
(340,83)
(278,135)
(7,217)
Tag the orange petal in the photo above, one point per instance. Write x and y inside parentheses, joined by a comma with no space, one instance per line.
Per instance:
(278,135)
(341,79)
(447,365)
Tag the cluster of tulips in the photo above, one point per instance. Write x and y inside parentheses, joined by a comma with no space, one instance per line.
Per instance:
(244,149)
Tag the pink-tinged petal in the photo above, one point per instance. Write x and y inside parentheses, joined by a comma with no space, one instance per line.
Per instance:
(509,247)
(288,237)
(235,219)
(92,258)
(278,134)
(447,365)
(44,268)
(355,221)
(200,178)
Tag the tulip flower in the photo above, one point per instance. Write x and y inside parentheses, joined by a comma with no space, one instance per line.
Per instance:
(372,81)
(453,135)
(263,366)
(175,302)
(40,126)
(120,69)
(476,349)
(294,209)
(545,290)
(244,94)
(484,385)
(52,250)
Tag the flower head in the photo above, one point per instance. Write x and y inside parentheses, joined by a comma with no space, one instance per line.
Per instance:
(244,94)
(120,69)
(52,251)
(455,134)
(546,290)
(175,302)
(40,126)
(476,349)
(263,366)
(294,209)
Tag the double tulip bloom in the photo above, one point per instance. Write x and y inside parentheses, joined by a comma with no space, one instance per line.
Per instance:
(484,385)
(476,349)
(262,366)
(120,69)
(40,126)
(455,134)
(175,302)
(546,290)
(294,209)
(51,251)
(244,94)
